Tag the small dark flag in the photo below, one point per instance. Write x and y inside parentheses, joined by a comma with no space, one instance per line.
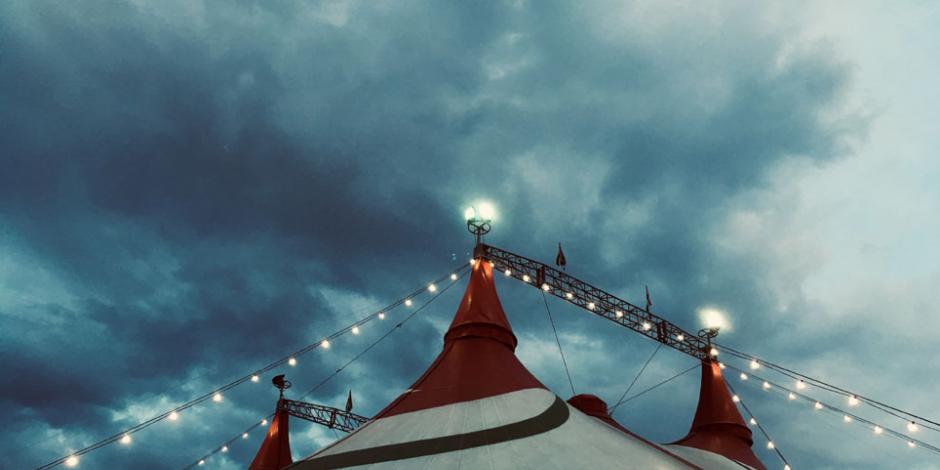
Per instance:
(560,258)
(349,402)
(649,302)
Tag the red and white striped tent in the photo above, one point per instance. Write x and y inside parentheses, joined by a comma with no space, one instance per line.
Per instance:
(477,406)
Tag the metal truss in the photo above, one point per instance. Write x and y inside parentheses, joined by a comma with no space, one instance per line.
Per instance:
(596,301)
(330,417)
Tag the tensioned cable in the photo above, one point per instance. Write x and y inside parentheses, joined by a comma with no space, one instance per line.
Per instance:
(650,389)
(636,377)
(558,342)
(894,411)
(334,373)
(827,406)
(202,398)
(755,422)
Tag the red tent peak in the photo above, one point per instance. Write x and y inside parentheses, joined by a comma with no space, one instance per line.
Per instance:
(478,359)
(718,426)
(590,405)
(480,314)
(274,453)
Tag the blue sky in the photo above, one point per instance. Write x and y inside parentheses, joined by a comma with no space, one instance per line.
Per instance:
(189,190)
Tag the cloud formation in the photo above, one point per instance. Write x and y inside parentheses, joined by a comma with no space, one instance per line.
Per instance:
(191,189)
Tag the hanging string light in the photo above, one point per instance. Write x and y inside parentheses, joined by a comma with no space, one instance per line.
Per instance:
(264,422)
(124,437)
(854,399)
(753,421)
(849,418)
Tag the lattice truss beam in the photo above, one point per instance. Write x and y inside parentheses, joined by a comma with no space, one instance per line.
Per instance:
(595,300)
(324,415)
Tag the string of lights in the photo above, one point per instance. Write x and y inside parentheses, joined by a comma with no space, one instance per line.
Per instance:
(847,416)
(753,421)
(912,420)
(217,395)
(244,434)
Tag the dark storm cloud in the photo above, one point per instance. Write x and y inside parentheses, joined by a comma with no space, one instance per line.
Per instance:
(193,175)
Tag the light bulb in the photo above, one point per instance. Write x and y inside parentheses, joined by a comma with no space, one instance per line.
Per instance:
(853,400)
(453,277)
(381,315)
(791,396)
(355,330)
(766,385)
(469,213)
(202,462)
(432,288)
(743,376)
(245,436)
(735,398)
(224,448)
(569,295)
(721,365)
(486,211)
(878,430)
(847,418)
(545,287)
(713,352)
(647,326)
(292,361)
(217,397)
(508,272)
(800,385)
(619,314)
(754,364)
(590,305)
(680,337)
(126,439)
(770,444)
(818,406)
(912,426)
(72,461)
(526,278)
(753,422)
(408,302)
(255,378)
(325,344)
(264,422)
(911,444)
(173,416)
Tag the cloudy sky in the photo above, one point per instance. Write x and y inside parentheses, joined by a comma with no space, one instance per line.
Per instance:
(192,189)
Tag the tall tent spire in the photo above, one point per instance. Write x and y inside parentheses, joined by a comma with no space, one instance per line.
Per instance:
(274,453)
(718,426)
(477,360)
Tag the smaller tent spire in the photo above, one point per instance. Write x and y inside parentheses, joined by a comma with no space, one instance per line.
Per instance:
(274,453)
(718,426)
